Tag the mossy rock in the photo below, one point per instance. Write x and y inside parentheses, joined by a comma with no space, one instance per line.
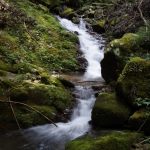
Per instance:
(26,117)
(42,94)
(117,54)
(99,26)
(108,112)
(111,141)
(50,99)
(133,83)
(140,120)
(68,12)
(29,118)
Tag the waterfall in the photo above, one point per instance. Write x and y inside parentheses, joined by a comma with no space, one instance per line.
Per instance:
(49,137)
(89,45)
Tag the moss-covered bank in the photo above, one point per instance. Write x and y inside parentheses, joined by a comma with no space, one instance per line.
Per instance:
(111,141)
(33,46)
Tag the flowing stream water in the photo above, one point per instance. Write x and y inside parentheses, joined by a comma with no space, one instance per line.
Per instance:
(49,137)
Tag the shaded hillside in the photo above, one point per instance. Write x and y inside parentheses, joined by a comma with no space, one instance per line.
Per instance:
(32,46)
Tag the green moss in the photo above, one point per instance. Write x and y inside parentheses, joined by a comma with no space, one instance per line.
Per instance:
(3,73)
(134,81)
(125,45)
(5,66)
(119,51)
(42,94)
(68,11)
(111,141)
(108,112)
(101,23)
(28,118)
(25,116)
(40,41)
(50,99)
(140,120)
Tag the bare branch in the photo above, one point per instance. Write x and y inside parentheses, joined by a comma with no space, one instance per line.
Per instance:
(32,108)
(141,13)
(14,113)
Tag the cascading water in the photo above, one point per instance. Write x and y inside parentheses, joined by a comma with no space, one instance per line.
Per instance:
(49,137)
(90,47)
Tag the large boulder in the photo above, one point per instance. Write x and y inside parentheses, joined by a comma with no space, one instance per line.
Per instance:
(111,141)
(133,84)
(117,54)
(108,112)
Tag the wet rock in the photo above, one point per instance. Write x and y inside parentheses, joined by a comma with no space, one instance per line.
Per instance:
(112,66)
(83,63)
(76,20)
(97,28)
(76,33)
(66,83)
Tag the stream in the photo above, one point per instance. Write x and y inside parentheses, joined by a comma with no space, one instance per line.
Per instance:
(49,137)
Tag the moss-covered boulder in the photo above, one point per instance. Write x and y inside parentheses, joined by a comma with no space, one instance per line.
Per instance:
(42,94)
(133,84)
(140,120)
(111,141)
(45,94)
(108,112)
(117,54)
(26,116)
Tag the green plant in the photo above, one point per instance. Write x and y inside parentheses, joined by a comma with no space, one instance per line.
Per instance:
(142,102)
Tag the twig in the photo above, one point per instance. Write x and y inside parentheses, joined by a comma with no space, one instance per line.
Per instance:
(14,113)
(29,32)
(141,13)
(14,102)
(142,124)
(144,140)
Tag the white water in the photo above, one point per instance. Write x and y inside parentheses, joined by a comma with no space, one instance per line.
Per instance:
(49,137)
(90,47)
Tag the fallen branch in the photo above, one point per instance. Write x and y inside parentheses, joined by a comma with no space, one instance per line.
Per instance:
(29,33)
(14,102)
(14,113)
(147,139)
